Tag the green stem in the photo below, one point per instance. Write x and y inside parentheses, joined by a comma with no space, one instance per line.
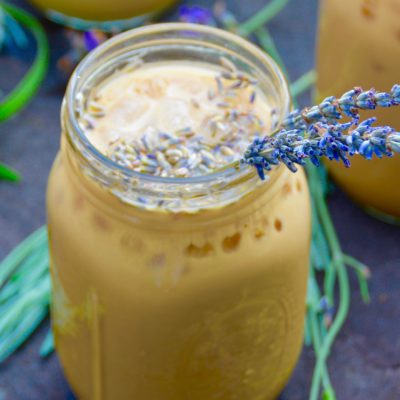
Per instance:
(30,83)
(314,325)
(47,346)
(9,174)
(14,30)
(268,44)
(320,245)
(329,282)
(337,324)
(307,332)
(324,214)
(26,328)
(344,288)
(303,83)
(363,273)
(13,260)
(317,349)
(330,234)
(39,295)
(263,16)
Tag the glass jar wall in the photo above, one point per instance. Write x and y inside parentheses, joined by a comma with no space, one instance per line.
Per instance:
(359,45)
(175,288)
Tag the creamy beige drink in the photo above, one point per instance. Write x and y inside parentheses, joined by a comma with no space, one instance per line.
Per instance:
(176,119)
(180,276)
(359,45)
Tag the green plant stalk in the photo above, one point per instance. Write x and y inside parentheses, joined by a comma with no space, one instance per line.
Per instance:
(307,332)
(25,291)
(30,83)
(22,315)
(38,294)
(303,83)
(330,337)
(9,174)
(313,320)
(262,17)
(268,44)
(13,260)
(343,280)
(316,334)
(17,337)
(363,274)
(319,247)
(329,282)
(47,346)
(21,284)
(9,26)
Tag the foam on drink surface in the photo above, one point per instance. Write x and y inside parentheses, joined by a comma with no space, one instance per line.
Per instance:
(176,119)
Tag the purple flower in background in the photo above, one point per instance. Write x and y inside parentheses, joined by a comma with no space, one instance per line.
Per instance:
(196,15)
(91,40)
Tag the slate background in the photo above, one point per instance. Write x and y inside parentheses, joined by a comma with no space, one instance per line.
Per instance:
(365,363)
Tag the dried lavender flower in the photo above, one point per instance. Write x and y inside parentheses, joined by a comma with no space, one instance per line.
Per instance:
(196,15)
(348,105)
(91,40)
(315,132)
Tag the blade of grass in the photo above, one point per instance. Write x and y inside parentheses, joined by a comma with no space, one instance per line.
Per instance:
(9,174)
(30,83)
(304,83)
(13,260)
(38,295)
(269,46)
(47,346)
(273,8)
(363,274)
(22,332)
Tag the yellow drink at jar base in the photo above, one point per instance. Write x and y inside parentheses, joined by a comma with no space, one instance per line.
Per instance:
(167,288)
(359,45)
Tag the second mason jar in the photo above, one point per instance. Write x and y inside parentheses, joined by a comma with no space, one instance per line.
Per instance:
(175,288)
(359,45)
(116,15)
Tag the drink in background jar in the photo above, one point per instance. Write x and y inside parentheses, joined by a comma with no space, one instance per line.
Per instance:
(359,45)
(116,15)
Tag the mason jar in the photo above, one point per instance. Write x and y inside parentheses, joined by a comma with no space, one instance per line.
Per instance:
(359,45)
(175,288)
(116,15)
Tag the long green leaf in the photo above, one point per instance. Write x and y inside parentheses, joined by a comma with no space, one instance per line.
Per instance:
(30,83)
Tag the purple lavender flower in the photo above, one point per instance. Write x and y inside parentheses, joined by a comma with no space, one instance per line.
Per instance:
(315,132)
(196,15)
(90,40)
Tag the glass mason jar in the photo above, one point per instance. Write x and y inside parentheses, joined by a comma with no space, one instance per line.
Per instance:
(116,15)
(359,45)
(175,288)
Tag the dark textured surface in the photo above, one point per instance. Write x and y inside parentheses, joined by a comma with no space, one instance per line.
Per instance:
(365,363)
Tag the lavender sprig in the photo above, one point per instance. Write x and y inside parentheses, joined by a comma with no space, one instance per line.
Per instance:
(315,132)
(348,105)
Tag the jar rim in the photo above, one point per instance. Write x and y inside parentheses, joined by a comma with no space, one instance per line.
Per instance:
(228,171)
